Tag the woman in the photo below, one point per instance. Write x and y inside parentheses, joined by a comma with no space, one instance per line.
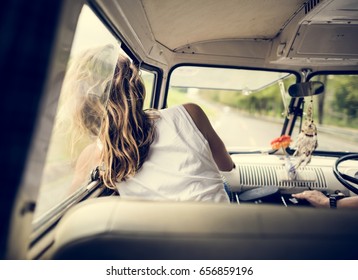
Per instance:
(169,154)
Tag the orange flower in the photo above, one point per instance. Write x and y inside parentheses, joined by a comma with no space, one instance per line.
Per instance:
(281,142)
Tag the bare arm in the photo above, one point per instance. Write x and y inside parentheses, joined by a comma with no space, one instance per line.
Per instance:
(221,156)
(318,199)
(348,202)
(88,159)
(315,198)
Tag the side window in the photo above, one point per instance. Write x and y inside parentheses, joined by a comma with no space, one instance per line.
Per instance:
(148,79)
(68,139)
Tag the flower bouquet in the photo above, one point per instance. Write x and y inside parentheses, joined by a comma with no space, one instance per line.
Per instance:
(283,142)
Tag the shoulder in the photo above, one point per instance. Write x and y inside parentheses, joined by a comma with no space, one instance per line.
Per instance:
(196,112)
(177,112)
(188,110)
(89,153)
(193,109)
(199,117)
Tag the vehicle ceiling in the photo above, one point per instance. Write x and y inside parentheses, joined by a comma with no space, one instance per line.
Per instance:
(176,24)
(253,33)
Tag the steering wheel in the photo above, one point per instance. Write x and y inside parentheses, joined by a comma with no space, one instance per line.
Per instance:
(345,179)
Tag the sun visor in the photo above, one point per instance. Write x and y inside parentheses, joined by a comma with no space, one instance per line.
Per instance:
(319,40)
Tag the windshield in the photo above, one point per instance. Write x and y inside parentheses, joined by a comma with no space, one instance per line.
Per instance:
(247,108)
(336,113)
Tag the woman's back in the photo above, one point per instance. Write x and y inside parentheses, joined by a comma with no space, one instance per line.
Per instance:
(174,156)
(179,166)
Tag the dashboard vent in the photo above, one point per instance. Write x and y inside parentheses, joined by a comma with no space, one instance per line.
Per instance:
(309,5)
(276,175)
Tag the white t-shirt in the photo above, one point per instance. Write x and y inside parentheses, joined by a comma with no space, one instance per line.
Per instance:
(179,166)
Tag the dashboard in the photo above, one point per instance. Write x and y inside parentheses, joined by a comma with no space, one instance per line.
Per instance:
(262,175)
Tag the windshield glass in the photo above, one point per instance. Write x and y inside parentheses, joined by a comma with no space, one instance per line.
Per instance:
(247,108)
(336,113)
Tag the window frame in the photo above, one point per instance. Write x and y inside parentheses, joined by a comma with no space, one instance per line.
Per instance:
(43,227)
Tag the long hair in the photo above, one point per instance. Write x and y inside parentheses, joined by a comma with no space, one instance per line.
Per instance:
(127,130)
(102,99)
(83,97)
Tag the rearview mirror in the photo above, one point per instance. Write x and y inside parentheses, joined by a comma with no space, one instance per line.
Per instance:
(306,89)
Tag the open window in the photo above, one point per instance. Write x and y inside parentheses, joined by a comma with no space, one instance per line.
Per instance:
(61,187)
(67,141)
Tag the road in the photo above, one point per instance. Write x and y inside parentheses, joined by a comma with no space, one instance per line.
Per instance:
(237,129)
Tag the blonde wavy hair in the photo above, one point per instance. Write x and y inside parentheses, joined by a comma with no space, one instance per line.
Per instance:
(127,130)
(103,98)
(83,98)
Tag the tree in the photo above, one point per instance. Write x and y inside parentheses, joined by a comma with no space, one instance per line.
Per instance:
(321,100)
(346,96)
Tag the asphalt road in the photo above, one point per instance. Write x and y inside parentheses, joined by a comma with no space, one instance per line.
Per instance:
(239,130)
